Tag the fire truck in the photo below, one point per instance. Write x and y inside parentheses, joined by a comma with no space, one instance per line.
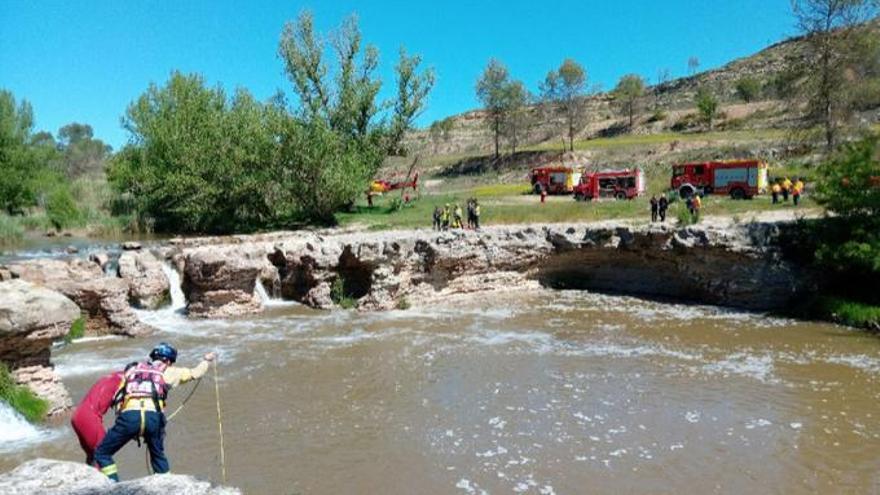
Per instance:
(618,184)
(741,179)
(554,180)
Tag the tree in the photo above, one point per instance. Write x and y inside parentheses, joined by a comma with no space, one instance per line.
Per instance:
(565,91)
(440,132)
(492,92)
(841,57)
(517,118)
(629,92)
(82,154)
(849,183)
(707,104)
(342,115)
(748,88)
(693,65)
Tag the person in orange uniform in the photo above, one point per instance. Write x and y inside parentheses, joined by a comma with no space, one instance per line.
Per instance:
(141,401)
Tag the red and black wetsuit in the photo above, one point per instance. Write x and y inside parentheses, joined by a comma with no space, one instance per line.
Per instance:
(88,419)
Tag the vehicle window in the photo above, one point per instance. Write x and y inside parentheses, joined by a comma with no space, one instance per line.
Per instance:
(698,170)
(557,178)
(606,183)
(677,171)
(631,182)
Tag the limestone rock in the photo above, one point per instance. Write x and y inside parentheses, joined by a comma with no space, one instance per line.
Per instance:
(103,299)
(131,246)
(101,259)
(31,317)
(220,281)
(50,477)
(148,285)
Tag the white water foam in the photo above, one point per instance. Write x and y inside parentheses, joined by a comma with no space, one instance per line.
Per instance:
(178,299)
(15,431)
(267,300)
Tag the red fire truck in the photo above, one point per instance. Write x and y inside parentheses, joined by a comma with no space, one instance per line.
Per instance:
(618,184)
(740,179)
(555,180)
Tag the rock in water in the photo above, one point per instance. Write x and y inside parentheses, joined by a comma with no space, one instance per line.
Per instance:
(148,285)
(131,246)
(31,317)
(50,477)
(104,299)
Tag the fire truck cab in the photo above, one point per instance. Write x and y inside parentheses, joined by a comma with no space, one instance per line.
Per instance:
(618,184)
(554,180)
(741,179)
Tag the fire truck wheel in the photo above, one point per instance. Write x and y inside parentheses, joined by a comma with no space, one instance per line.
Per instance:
(579,197)
(620,195)
(537,187)
(737,194)
(686,192)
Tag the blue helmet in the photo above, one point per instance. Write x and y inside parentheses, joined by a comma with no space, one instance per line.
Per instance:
(164,351)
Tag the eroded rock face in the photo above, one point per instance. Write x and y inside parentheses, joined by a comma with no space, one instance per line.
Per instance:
(50,477)
(31,317)
(736,266)
(103,299)
(148,285)
(219,281)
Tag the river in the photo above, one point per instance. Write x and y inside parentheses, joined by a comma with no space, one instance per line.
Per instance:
(513,392)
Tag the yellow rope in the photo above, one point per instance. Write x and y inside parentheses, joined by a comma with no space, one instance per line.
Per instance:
(219,424)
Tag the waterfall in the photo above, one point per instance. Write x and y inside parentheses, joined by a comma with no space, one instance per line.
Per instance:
(178,299)
(260,291)
(14,428)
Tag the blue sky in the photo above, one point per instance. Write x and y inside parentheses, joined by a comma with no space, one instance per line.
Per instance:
(86,61)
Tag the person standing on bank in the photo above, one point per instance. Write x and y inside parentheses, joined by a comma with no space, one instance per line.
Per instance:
(655,208)
(141,404)
(662,206)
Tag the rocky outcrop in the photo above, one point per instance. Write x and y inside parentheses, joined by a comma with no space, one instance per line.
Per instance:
(147,284)
(220,281)
(31,318)
(50,477)
(103,299)
(738,266)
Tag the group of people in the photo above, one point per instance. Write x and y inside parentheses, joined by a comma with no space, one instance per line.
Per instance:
(658,208)
(451,216)
(784,187)
(138,394)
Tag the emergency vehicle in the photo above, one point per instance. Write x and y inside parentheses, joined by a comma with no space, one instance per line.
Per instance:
(554,180)
(741,179)
(618,184)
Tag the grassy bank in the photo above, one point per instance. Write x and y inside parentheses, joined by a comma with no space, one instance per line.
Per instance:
(851,313)
(21,398)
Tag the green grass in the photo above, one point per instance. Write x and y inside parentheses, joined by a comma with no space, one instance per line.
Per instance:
(630,140)
(21,398)
(11,230)
(77,330)
(851,313)
(498,208)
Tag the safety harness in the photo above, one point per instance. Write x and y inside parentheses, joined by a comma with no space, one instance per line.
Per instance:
(142,382)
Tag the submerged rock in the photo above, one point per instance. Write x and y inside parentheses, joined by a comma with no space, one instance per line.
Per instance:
(147,283)
(103,299)
(31,317)
(50,477)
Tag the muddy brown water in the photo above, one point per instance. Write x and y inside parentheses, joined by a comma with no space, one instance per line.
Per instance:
(520,392)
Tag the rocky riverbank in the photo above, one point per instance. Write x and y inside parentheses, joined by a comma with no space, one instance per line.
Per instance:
(50,477)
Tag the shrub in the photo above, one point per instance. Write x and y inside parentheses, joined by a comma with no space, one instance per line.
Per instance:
(340,296)
(403,304)
(61,208)
(11,230)
(684,216)
(851,313)
(77,330)
(657,116)
(21,398)
(748,88)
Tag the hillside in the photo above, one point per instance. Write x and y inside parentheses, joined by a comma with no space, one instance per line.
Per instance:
(667,128)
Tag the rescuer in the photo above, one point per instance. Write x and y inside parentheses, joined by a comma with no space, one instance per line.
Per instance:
(476,214)
(655,208)
(438,218)
(775,190)
(786,189)
(445,217)
(141,401)
(88,418)
(458,215)
(662,206)
(698,203)
(796,191)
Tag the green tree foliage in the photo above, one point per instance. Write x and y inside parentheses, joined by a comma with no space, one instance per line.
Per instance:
(849,183)
(517,121)
(707,105)
(629,92)
(842,59)
(492,89)
(748,89)
(200,161)
(564,91)
(82,154)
